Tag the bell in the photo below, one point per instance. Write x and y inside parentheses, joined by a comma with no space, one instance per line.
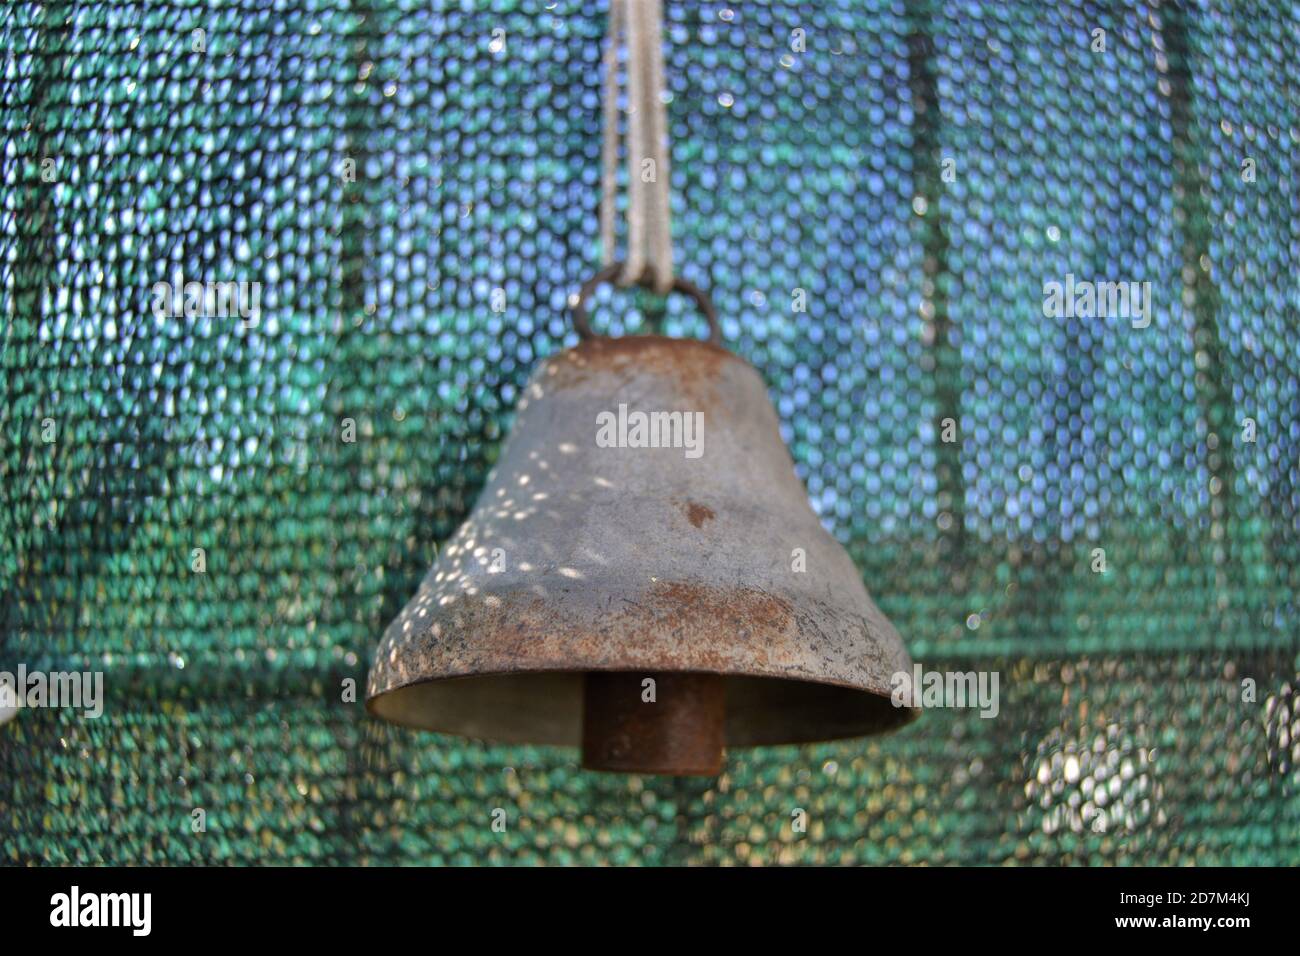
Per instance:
(642,576)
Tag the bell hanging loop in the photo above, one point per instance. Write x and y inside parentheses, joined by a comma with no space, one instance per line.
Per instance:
(609,275)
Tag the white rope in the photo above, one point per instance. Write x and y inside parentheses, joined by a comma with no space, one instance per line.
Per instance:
(659,240)
(609,147)
(649,231)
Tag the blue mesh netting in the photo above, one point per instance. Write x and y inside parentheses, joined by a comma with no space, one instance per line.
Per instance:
(129,156)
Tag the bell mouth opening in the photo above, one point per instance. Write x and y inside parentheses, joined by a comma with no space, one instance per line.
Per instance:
(547,707)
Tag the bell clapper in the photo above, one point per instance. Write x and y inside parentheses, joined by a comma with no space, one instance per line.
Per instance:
(665,723)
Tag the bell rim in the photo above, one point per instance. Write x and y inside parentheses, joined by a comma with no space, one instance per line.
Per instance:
(900,716)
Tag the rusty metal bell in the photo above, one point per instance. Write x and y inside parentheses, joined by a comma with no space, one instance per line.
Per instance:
(642,576)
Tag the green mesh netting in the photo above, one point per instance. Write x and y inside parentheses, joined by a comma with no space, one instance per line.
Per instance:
(134,150)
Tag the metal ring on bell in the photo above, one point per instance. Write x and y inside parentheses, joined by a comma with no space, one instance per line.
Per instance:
(612,271)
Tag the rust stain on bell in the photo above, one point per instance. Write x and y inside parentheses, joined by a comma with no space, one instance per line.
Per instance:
(698,514)
(643,523)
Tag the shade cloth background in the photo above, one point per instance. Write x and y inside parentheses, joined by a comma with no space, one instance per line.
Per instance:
(1123,735)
